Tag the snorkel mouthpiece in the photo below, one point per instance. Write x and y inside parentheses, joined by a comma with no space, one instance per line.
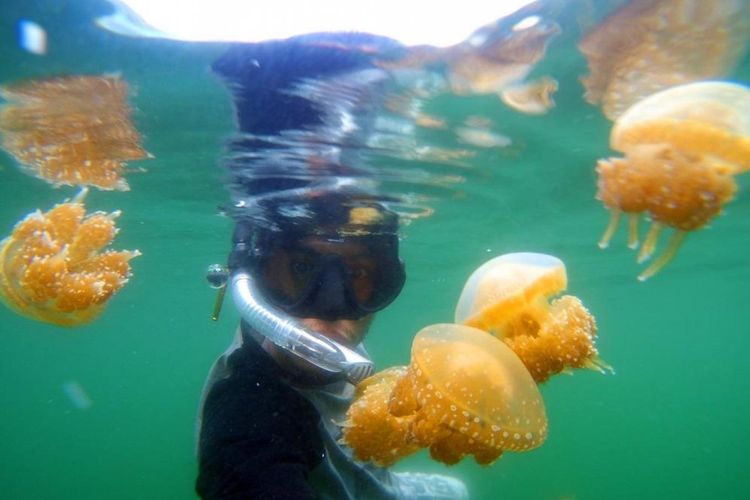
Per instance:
(289,334)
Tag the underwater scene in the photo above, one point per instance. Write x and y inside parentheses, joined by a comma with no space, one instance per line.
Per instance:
(568,183)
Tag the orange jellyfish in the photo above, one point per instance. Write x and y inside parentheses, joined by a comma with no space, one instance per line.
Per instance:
(509,297)
(532,98)
(464,393)
(53,269)
(503,60)
(73,130)
(683,146)
(648,46)
(494,57)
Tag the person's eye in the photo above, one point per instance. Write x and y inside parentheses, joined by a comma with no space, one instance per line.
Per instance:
(301,268)
(359,272)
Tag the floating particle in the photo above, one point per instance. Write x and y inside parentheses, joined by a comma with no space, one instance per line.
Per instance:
(32,37)
(77,395)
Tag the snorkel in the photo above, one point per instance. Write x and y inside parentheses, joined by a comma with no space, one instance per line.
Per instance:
(289,334)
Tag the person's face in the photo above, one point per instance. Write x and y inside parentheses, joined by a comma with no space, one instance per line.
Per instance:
(289,271)
(327,276)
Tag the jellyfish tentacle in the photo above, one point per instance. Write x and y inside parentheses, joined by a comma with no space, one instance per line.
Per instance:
(614,221)
(649,243)
(597,364)
(633,239)
(80,197)
(675,241)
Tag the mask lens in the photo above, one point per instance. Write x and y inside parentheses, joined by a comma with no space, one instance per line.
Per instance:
(345,283)
(287,274)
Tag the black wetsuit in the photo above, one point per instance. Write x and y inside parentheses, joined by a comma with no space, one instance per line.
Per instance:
(259,436)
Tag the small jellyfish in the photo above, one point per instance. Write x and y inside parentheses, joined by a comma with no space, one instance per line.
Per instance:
(410,105)
(73,130)
(532,98)
(682,146)
(464,393)
(648,46)
(509,297)
(482,137)
(53,269)
(500,60)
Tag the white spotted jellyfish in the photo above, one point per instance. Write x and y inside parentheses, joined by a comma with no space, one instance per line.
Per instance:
(512,298)
(464,393)
(682,146)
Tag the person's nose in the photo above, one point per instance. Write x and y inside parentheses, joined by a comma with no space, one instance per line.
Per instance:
(331,299)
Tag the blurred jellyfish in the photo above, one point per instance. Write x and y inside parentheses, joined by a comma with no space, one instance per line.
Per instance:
(496,56)
(531,98)
(482,137)
(648,46)
(73,130)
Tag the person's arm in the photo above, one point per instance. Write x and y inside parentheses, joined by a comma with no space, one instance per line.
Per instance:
(258,437)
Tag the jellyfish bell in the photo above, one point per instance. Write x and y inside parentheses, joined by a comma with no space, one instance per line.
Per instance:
(474,395)
(504,286)
(705,118)
(682,148)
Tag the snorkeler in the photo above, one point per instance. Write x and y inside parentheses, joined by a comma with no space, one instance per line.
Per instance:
(314,256)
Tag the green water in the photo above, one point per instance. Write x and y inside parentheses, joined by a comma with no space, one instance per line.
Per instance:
(671,423)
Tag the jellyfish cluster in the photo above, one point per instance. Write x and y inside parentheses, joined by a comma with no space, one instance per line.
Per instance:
(55,266)
(471,387)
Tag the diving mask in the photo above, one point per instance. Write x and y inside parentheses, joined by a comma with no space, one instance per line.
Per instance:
(331,278)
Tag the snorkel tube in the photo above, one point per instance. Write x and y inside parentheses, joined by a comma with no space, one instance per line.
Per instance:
(289,334)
